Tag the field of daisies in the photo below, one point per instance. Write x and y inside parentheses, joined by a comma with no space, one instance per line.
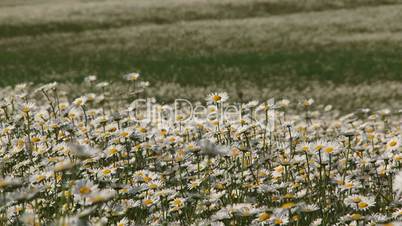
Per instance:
(94,159)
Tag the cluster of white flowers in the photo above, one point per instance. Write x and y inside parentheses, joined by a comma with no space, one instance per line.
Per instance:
(86,161)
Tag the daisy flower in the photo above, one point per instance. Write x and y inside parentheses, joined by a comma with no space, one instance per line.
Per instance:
(217,98)
(90,79)
(101,196)
(176,204)
(106,172)
(132,76)
(155,184)
(80,101)
(28,107)
(194,184)
(393,143)
(280,217)
(113,150)
(331,148)
(123,222)
(263,218)
(150,201)
(359,202)
(84,188)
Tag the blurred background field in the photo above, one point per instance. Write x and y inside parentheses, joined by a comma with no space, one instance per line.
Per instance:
(346,52)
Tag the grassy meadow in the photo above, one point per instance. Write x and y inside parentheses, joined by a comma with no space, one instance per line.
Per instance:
(205,43)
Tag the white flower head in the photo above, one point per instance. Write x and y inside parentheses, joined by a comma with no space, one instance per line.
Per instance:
(398,184)
(217,98)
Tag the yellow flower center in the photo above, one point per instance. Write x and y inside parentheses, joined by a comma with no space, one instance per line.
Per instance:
(393,143)
(163,131)
(288,205)
(97,198)
(67,194)
(288,196)
(216,98)
(26,109)
(362,205)
(85,190)
(124,190)
(264,216)
(278,221)
(148,202)
(78,102)
(40,178)
(107,171)
(113,151)
(369,129)
(219,186)
(318,147)
(35,139)
(356,199)
(329,150)
(153,186)
(349,185)
(178,202)
(3,183)
(356,216)
(279,169)
(146,178)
